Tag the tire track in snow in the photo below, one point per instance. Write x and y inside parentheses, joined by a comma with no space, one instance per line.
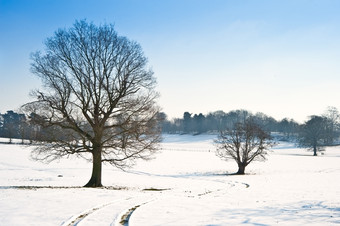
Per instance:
(76,219)
(118,218)
(124,217)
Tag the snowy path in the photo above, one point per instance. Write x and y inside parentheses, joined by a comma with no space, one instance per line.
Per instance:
(106,212)
(113,213)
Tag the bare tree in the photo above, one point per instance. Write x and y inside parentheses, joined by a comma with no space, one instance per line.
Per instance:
(99,98)
(333,118)
(244,143)
(314,134)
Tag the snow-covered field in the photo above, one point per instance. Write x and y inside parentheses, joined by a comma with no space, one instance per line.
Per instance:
(186,184)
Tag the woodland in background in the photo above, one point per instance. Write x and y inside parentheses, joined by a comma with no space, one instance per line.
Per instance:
(21,126)
(219,120)
(328,125)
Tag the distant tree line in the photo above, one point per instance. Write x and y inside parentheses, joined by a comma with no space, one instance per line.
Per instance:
(318,131)
(315,133)
(220,120)
(14,125)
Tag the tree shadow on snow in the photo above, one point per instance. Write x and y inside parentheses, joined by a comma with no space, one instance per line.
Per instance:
(187,175)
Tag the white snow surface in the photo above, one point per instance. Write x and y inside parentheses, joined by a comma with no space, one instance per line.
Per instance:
(185,184)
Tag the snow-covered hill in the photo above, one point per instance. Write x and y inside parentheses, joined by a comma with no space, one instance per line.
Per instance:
(185,184)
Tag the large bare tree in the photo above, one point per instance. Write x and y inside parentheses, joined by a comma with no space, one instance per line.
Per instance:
(244,142)
(99,98)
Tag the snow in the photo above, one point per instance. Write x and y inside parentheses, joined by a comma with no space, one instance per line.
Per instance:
(185,184)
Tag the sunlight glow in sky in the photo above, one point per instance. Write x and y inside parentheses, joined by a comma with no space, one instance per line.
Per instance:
(281,58)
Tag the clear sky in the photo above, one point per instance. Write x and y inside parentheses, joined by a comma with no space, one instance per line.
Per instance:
(279,57)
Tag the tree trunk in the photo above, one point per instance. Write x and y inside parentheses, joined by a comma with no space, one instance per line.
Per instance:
(241,169)
(314,149)
(96,178)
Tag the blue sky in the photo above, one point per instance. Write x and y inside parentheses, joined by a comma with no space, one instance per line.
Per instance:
(277,57)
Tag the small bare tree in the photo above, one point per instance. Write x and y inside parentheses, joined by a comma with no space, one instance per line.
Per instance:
(315,134)
(99,98)
(244,142)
